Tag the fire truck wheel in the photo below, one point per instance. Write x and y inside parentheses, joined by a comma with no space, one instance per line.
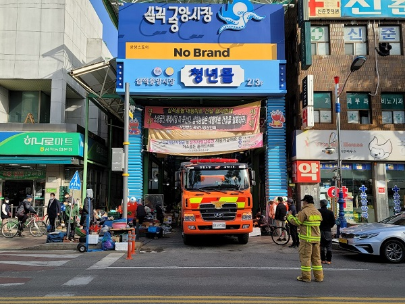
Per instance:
(243,238)
(186,239)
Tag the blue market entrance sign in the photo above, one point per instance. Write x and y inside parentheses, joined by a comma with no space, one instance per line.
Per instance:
(75,183)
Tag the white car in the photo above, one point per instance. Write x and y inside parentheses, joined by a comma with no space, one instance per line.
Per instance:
(385,238)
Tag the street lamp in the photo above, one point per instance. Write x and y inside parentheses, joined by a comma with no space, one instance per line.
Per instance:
(357,63)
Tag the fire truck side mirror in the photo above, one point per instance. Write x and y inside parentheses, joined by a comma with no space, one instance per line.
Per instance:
(253,176)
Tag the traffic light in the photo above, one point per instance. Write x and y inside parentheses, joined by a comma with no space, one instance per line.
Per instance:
(383,49)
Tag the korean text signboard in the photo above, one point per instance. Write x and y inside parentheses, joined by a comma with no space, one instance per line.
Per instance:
(194,49)
(306,172)
(242,118)
(201,146)
(355,9)
(41,143)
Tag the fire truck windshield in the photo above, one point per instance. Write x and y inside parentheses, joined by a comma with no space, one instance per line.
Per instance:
(223,179)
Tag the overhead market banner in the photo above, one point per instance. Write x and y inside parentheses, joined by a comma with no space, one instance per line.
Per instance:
(240,118)
(41,143)
(194,49)
(386,9)
(206,146)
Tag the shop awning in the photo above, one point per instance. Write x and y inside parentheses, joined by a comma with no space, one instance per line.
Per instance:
(38,160)
(99,80)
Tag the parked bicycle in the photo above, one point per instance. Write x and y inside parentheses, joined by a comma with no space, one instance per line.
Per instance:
(279,235)
(12,227)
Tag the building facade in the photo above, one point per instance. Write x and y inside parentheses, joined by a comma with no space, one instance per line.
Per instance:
(42,109)
(372,105)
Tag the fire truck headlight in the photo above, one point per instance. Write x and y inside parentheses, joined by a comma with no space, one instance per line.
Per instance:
(189,218)
(246,216)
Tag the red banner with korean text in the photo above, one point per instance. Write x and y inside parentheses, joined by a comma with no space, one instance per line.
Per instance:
(306,172)
(240,118)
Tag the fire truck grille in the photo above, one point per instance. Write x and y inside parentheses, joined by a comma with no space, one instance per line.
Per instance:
(226,213)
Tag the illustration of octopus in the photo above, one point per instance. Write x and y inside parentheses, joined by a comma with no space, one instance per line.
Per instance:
(236,15)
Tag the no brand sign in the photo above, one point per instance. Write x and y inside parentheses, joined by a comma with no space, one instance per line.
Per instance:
(306,172)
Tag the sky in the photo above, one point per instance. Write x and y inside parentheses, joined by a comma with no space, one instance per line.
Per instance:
(110,33)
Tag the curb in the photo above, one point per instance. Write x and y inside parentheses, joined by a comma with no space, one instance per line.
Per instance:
(71,246)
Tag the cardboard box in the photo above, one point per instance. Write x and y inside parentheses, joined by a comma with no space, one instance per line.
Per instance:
(121,246)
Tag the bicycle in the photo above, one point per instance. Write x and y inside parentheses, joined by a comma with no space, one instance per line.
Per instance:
(276,236)
(12,227)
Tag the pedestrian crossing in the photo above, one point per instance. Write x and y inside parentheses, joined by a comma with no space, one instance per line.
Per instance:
(15,264)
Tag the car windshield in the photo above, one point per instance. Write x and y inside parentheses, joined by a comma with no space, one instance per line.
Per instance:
(220,179)
(397,219)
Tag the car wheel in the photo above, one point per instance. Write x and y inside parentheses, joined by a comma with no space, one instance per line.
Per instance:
(393,251)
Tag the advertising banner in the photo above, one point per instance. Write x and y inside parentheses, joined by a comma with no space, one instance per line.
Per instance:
(355,145)
(206,146)
(239,118)
(41,143)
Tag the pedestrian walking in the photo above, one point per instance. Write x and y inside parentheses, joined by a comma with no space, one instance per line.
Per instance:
(281,212)
(293,228)
(53,211)
(308,220)
(328,221)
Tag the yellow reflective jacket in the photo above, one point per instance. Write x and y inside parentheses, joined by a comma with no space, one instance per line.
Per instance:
(308,220)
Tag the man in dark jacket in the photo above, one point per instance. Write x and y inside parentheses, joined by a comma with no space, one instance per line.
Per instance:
(281,212)
(5,209)
(53,210)
(328,221)
(293,229)
(22,212)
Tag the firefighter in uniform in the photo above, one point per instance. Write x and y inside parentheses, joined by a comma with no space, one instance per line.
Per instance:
(308,221)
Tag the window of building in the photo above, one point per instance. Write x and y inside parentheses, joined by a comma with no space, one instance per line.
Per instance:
(393,110)
(29,106)
(392,35)
(355,40)
(358,108)
(395,177)
(354,176)
(320,40)
(322,107)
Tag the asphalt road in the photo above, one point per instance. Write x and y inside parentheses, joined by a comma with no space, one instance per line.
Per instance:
(210,271)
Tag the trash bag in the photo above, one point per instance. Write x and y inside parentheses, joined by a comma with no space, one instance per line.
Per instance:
(107,243)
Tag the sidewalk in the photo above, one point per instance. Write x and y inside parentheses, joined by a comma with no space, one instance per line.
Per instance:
(28,242)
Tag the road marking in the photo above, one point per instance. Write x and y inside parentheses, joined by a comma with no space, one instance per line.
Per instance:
(79,280)
(11,284)
(46,255)
(230,267)
(105,262)
(200,299)
(35,263)
(59,295)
